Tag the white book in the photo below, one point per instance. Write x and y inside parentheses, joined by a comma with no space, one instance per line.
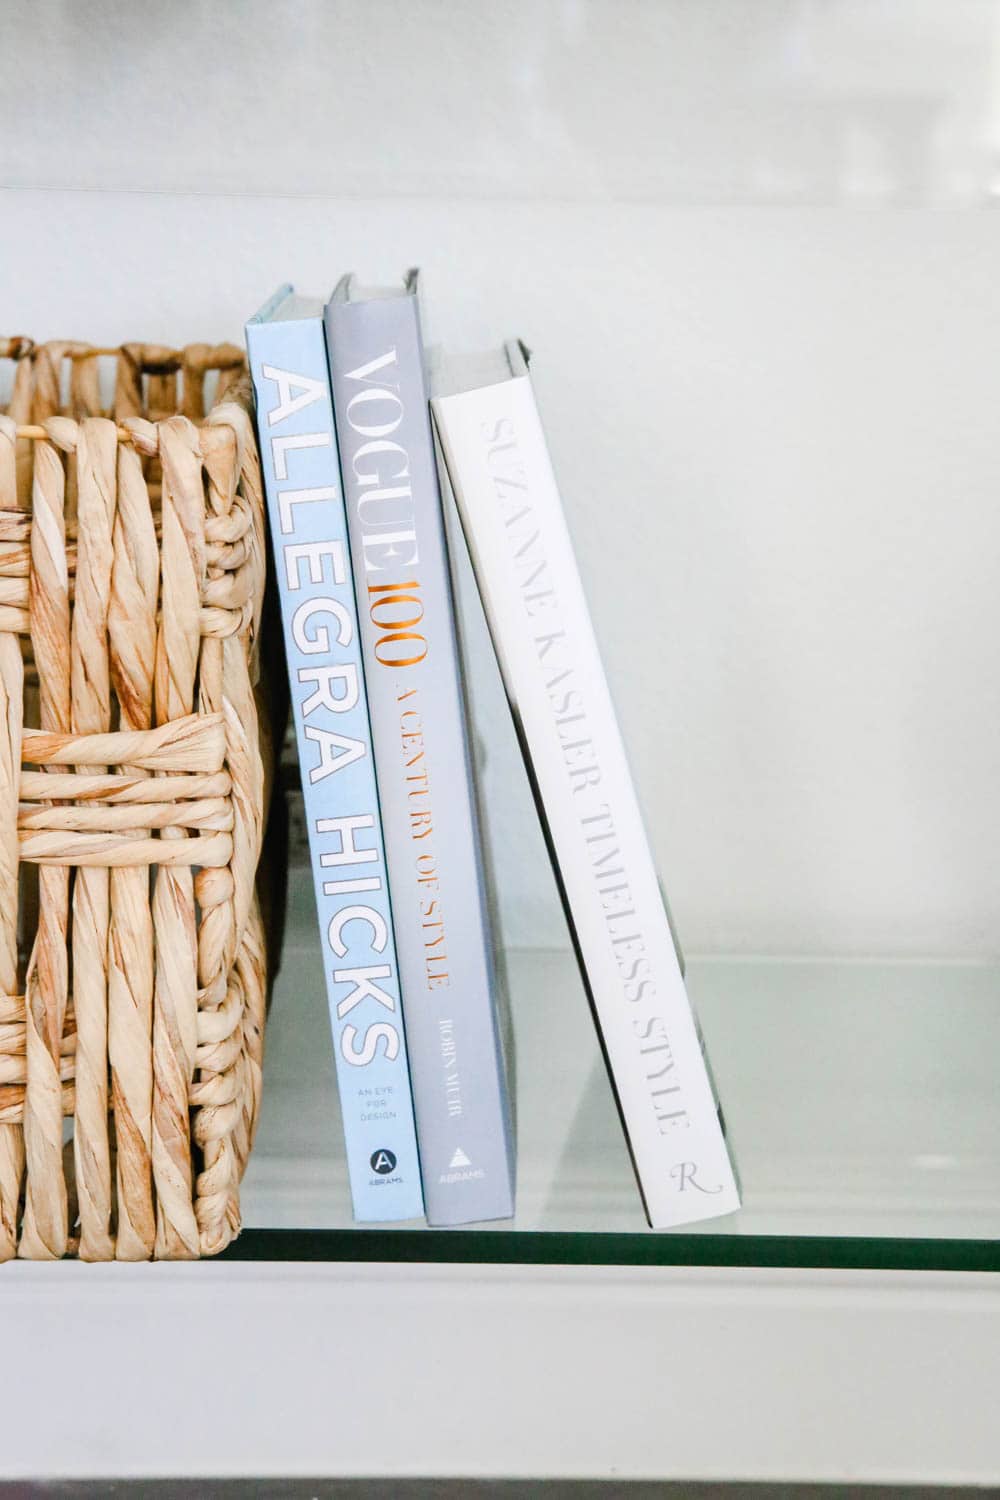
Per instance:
(499,468)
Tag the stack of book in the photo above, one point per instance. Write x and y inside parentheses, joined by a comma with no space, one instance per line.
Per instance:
(354,481)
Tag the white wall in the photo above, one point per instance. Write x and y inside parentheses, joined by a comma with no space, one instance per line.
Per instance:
(777,427)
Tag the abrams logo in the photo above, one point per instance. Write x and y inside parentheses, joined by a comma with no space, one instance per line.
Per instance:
(383,1162)
(460,1169)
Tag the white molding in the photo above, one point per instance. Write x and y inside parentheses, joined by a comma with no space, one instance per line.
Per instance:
(348,1369)
(689,104)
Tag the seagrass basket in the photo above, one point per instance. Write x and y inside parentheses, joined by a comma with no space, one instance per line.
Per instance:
(133,789)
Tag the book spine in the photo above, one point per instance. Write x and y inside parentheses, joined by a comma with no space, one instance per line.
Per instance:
(499,467)
(400,563)
(319,616)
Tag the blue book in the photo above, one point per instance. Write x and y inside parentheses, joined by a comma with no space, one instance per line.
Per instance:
(323,649)
(433,847)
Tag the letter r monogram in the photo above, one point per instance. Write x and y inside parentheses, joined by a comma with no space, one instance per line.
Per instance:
(687,1174)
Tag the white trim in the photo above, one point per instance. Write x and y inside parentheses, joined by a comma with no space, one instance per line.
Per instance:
(346,1369)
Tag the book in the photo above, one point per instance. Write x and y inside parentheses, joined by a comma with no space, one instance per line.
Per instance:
(499,469)
(319,613)
(420,738)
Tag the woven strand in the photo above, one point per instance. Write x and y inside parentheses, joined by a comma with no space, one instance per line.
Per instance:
(46,1212)
(132,635)
(91,714)
(246,742)
(214,891)
(114,789)
(175,1005)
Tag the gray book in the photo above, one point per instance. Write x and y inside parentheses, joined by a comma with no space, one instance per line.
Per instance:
(421,749)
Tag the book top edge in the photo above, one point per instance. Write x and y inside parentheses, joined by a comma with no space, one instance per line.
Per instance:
(288,306)
(454,374)
(350,289)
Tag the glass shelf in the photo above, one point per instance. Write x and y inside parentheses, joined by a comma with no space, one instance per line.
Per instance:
(860,1097)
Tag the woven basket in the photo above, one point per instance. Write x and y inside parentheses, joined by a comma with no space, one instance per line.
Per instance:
(133,789)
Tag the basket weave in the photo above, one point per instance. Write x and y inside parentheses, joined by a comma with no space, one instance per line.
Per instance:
(132,799)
